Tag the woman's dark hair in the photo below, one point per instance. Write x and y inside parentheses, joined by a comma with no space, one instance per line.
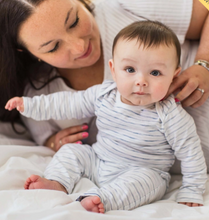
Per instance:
(17,65)
(149,34)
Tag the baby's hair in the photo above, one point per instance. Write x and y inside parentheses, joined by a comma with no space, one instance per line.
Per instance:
(149,34)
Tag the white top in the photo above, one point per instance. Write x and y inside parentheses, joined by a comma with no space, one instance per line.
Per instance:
(146,136)
(111,17)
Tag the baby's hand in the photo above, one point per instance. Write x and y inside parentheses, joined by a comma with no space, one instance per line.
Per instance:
(190,204)
(15,102)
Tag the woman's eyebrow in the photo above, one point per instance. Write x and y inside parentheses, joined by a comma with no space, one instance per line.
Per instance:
(44,44)
(66,20)
(68,15)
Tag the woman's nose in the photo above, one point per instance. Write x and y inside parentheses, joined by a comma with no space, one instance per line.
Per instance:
(77,47)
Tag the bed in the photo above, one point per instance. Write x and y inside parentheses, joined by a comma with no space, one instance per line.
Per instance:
(20,158)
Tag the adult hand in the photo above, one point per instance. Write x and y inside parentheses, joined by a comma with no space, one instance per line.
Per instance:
(187,84)
(68,135)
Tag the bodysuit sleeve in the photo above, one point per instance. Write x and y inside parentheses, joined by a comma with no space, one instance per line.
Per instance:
(62,105)
(180,132)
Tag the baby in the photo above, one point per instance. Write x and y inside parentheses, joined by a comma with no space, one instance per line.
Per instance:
(139,132)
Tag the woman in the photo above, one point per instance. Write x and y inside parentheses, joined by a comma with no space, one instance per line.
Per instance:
(76,42)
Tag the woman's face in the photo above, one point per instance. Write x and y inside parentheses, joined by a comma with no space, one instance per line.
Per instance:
(62,33)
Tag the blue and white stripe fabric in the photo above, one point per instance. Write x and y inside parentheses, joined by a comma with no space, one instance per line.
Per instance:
(121,186)
(132,140)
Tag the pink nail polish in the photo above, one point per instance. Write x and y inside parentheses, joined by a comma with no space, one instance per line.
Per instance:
(85,127)
(78,142)
(177,100)
(85,134)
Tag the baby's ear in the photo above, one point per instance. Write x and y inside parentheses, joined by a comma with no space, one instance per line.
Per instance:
(112,68)
(177,71)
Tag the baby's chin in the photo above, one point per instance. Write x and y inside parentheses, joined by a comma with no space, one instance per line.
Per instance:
(139,101)
(144,102)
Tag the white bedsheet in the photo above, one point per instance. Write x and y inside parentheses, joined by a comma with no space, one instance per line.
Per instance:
(18,162)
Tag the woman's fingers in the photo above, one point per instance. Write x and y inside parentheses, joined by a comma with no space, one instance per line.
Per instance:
(70,135)
(197,85)
(71,130)
(188,89)
(74,138)
(192,86)
(195,100)
(189,95)
(176,85)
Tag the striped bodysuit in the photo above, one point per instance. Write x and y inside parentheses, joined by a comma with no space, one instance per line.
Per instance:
(135,148)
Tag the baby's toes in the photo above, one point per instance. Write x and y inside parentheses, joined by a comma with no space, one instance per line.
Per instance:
(101,208)
(26,185)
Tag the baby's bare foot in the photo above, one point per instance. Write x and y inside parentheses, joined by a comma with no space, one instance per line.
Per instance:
(37,182)
(93,204)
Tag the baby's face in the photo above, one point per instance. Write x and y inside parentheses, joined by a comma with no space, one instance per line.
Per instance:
(143,75)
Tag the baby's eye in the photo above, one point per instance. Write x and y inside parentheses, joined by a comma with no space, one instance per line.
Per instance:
(130,70)
(155,73)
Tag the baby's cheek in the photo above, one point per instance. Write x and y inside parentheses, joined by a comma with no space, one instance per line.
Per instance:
(160,92)
(122,87)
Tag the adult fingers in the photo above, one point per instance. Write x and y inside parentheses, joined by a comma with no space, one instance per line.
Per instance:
(196,91)
(74,138)
(196,99)
(176,85)
(70,135)
(71,130)
(192,79)
(188,90)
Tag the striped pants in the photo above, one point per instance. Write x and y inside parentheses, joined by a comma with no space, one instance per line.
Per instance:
(119,187)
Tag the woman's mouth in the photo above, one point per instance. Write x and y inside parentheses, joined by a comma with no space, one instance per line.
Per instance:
(87,53)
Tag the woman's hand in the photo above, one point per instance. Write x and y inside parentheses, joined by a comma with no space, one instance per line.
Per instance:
(68,135)
(187,84)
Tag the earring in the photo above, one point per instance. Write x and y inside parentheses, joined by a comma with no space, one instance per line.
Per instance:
(39,60)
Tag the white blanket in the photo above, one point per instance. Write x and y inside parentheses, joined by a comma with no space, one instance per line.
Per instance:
(19,162)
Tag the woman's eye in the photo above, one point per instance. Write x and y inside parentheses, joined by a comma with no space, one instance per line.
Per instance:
(75,23)
(155,73)
(130,70)
(55,48)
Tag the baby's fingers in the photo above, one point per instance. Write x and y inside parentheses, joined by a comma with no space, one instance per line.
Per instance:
(11,104)
(20,108)
(15,103)
(190,204)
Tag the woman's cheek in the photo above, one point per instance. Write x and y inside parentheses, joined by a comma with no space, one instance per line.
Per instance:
(87,28)
(61,61)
